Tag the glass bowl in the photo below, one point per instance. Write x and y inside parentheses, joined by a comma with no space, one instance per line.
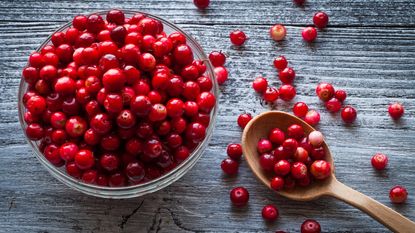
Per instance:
(152,185)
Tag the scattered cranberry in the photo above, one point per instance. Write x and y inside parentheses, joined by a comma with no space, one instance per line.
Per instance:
(287,92)
(270,95)
(340,95)
(239,196)
(201,4)
(244,119)
(398,194)
(300,109)
(260,84)
(277,32)
(312,117)
(287,75)
(229,166)
(396,110)
(234,151)
(348,114)
(379,161)
(325,91)
(309,34)
(333,105)
(237,37)
(280,63)
(217,58)
(310,226)
(321,19)
(221,74)
(270,212)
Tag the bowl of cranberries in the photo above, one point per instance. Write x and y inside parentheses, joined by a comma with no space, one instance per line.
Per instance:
(118,104)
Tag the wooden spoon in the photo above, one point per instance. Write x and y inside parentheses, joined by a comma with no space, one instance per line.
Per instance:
(259,127)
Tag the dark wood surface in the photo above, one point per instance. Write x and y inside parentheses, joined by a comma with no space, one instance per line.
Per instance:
(368,50)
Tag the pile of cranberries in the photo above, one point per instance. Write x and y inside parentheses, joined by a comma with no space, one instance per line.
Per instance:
(117,101)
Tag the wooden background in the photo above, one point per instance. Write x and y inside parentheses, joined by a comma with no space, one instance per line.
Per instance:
(368,50)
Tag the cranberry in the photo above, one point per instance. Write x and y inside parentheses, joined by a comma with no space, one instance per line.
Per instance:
(229,166)
(140,105)
(301,155)
(299,170)
(333,105)
(110,142)
(68,151)
(158,112)
(84,159)
(244,119)
(325,91)
(396,110)
(181,153)
(36,60)
(320,169)
(348,114)
(91,137)
(340,95)
(51,153)
(270,212)
(201,4)
(295,131)
(206,101)
(191,90)
(281,153)
(59,136)
(30,75)
(299,2)
(309,34)
(95,23)
(101,123)
(205,83)
(276,136)
(310,226)
(300,109)
(277,183)
(287,75)
(277,32)
(264,145)
(398,194)
(379,161)
(152,148)
(237,37)
(318,153)
(280,63)
(312,117)
(113,80)
(260,84)
(89,176)
(316,138)
(117,180)
(190,108)
(135,171)
(217,58)
(73,170)
(287,92)
(267,161)
(183,55)
(239,196)
(109,162)
(271,94)
(282,167)
(234,151)
(115,16)
(195,132)
(36,104)
(321,19)
(75,126)
(79,22)
(221,74)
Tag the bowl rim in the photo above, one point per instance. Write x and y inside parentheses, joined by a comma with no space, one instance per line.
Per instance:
(149,186)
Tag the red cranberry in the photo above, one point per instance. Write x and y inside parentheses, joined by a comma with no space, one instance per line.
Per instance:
(135,171)
(73,170)
(295,131)
(277,183)
(195,132)
(287,92)
(264,145)
(113,80)
(229,166)
(158,112)
(59,136)
(398,194)
(239,196)
(299,2)
(51,153)
(396,110)
(181,153)
(300,109)
(244,119)
(318,153)
(333,105)
(316,138)
(117,180)
(320,19)
(110,142)
(260,84)
(134,146)
(276,136)
(30,75)
(301,155)
(201,4)
(282,167)
(84,159)
(320,169)
(270,212)
(206,101)
(309,34)
(271,94)
(36,104)
(267,161)
(89,176)
(299,170)
(340,95)
(183,55)
(36,60)
(95,23)
(310,226)
(237,37)
(79,22)
(379,161)
(312,117)
(205,83)
(190,108)
(115,16)
(101,123)
(191,90)
(280,63)
(221,74)
(325,91)
(234,151)
(217,58)
(277,32)
(126,119)
(91,137)
(287,75)
(290,144)
(109,162)
(68,151)
(348,114)
(152,148)
(75,126)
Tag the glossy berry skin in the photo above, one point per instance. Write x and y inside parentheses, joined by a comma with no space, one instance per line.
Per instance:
(280,63)
(270,212)
(183,55)
(221,74)
(295,131)
(277,32)
(271,94)
(282,167)
(325,91)
(348,114)
(320,169)
(264,145)
(333,105)
(234,151)
(135,171)
(320,19)
(239,196)
(299,170)
(277,183)
(217,58)
(201,4)
(287,92)
(206,101)
(379,161)
(309,34)
(109,162)
(340,95)
(316,138)
(310,226)
(260,85)
(229,166)
(237,37)
(244,119)
(396,111)
(267,161)
(287,75)
(300,109)
(398,194)
(312,117)
(276,136)
(75,126)
(35,131)
(84,159)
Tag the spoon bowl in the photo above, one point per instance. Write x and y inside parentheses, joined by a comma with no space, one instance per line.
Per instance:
(261,125)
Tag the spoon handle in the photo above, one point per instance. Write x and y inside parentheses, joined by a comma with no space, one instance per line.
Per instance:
(383,214)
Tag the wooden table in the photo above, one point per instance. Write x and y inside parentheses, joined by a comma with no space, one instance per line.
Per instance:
(368,50)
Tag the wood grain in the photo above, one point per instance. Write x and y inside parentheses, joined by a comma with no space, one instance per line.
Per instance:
(369,50)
